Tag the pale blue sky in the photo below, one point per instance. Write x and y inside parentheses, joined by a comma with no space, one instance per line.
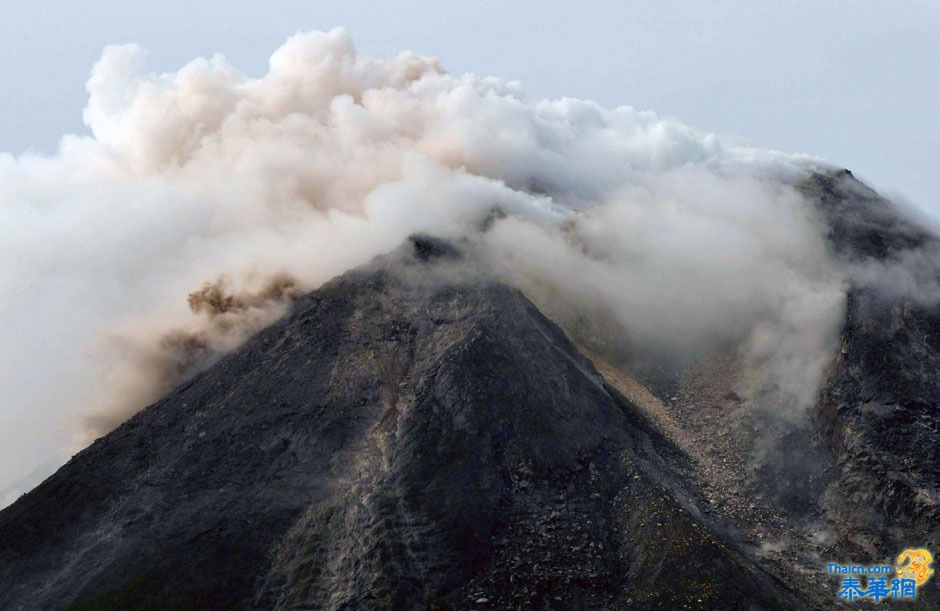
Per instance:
(855,82)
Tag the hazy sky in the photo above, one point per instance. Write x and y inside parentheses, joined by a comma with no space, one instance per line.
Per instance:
(855,82)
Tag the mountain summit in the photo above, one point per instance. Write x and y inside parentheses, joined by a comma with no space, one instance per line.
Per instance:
(395,441)
(417,434)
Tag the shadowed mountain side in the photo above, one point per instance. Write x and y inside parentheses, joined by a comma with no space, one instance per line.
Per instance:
(394,442)
(880,410)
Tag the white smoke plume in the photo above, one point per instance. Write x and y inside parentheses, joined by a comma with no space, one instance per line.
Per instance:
(332,157)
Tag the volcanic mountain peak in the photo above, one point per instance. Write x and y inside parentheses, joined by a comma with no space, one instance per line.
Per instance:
(417,434)
(392,442)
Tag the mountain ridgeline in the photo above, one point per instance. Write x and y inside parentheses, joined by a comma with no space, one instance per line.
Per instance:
(417,435)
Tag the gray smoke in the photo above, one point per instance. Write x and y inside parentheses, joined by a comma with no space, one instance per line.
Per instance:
(333,157)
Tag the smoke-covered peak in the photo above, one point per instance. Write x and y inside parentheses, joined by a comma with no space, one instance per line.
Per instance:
(207,177)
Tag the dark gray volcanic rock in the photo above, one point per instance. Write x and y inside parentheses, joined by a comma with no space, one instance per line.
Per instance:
(414,435)
(396,441)
(880,411)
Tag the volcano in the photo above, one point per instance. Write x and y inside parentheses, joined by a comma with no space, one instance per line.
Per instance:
(416,434)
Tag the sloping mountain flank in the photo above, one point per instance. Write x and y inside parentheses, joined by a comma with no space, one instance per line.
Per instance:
(879,414)
(417,435)
(396,441)
(858,480)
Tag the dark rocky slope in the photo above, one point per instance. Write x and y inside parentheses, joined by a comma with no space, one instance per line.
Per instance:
(879,414)
(859,480)
(414,435)
(396,441)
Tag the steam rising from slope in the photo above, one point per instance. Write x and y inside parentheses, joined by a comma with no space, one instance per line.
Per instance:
(333,157)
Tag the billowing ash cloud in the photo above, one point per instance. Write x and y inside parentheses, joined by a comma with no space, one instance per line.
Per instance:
(263,187)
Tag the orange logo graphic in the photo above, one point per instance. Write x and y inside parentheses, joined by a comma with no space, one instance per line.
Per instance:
(914,564)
